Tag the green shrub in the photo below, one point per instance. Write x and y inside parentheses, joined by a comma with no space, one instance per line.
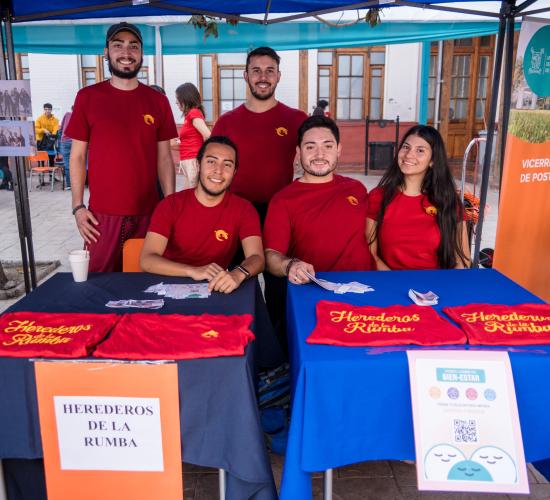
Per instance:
(532,126)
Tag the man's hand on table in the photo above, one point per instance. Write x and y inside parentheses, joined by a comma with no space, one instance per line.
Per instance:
(226,281)
(296,272)
(208,272)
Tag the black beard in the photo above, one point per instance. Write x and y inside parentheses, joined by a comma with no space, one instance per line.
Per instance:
(128,75)
(318,174)
(260,97)
(211,193)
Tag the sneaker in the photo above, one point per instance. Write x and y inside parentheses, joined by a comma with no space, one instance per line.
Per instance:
(67,188)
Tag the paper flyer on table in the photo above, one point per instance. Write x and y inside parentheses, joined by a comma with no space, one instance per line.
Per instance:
(458,397)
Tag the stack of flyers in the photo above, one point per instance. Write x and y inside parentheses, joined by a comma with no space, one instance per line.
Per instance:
(340,288)
(423,299)
(185,291)
(139,304)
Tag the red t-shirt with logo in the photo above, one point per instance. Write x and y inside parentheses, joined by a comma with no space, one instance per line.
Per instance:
(122,129)
(349,325)
(409,236)
(322,224)
(199,235)
(174,336)
(267,147)
(52,335)
(190,138)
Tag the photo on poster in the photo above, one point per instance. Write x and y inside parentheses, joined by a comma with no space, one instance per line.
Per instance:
(15,99)
(17,138)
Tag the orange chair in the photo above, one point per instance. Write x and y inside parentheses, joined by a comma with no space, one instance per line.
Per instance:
(42,167)
(131,251)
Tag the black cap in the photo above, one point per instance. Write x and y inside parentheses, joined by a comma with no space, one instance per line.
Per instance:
(117,28)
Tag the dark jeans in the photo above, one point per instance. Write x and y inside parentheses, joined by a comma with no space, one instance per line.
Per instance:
(66,152)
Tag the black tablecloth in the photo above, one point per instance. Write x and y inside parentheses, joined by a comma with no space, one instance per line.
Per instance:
(219,417)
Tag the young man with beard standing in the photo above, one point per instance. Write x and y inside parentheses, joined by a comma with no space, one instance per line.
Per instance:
(123,128)
(196,232)
(318,222)
(264,130)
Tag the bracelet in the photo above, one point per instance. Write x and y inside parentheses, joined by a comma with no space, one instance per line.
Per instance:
(243,270)
(289,265)
(78,207)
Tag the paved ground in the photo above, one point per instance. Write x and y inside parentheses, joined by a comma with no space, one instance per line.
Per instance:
(55,234)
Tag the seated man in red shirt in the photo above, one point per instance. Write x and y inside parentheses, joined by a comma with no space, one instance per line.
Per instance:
(195,233)
(317,222)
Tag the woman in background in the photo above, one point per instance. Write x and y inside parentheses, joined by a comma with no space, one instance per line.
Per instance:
(415,216)
(193,132)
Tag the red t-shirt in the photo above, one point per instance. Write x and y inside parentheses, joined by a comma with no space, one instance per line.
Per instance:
(190,138)
(122,129)
(52,335)
(494,324)
(409,235)
(350,325)
(199,235)
(267,146)
(174,336)
(322,224)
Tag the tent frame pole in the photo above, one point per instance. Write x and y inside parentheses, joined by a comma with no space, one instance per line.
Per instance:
(20,181)
(506,11)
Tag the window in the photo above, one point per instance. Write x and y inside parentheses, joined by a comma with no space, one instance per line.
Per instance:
(352,81)
(432,87)
(222,85)
(460,87)
(470,79)
(22,67)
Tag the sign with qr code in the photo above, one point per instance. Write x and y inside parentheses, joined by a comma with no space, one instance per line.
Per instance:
(466,424)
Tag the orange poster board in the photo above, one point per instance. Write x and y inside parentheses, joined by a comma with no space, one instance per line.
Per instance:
(110,430)
(522,243)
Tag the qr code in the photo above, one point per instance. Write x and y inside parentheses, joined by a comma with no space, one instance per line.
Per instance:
(465,431)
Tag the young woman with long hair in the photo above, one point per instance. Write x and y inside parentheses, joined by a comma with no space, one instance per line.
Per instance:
(415,217)
(193,132)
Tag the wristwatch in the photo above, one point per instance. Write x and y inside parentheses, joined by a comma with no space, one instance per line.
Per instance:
(243,270)
(78,207)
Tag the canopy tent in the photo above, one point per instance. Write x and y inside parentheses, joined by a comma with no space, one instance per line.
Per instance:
(183,38)
(270,12)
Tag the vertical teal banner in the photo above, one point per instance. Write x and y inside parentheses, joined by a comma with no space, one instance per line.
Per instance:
(424,79)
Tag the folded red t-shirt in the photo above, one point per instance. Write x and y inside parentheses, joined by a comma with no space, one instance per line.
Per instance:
(492,324)
(174,336)
(349,325)
(52,335)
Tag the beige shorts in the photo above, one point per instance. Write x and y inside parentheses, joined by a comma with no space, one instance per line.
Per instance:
(190,169)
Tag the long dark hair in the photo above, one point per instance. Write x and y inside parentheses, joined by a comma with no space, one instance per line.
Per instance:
(438,186)
(189,97)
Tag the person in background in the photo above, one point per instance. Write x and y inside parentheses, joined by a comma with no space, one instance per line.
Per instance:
(46,127)
(320,109)
(7,178)
(66,143)
(415,216)
(193,132)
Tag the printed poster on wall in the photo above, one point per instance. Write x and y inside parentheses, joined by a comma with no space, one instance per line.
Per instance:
(110,430)
(457,396)
(523,233)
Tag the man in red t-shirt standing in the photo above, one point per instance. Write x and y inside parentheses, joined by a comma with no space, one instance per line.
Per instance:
(318,222)
(264,130)
(123,129)
(196,232)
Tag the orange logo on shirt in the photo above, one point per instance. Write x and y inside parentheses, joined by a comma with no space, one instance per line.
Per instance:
(352,200)
(431,210)
(148,119)
(221,235)
(281,131)
(210,334)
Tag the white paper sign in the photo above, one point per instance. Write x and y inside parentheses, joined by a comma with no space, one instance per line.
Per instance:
(466,425)
(109,433)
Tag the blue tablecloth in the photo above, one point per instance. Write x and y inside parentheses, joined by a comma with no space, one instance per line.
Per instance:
(353,404)
(219,418)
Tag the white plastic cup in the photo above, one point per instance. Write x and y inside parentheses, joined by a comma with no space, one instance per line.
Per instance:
(79,260)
